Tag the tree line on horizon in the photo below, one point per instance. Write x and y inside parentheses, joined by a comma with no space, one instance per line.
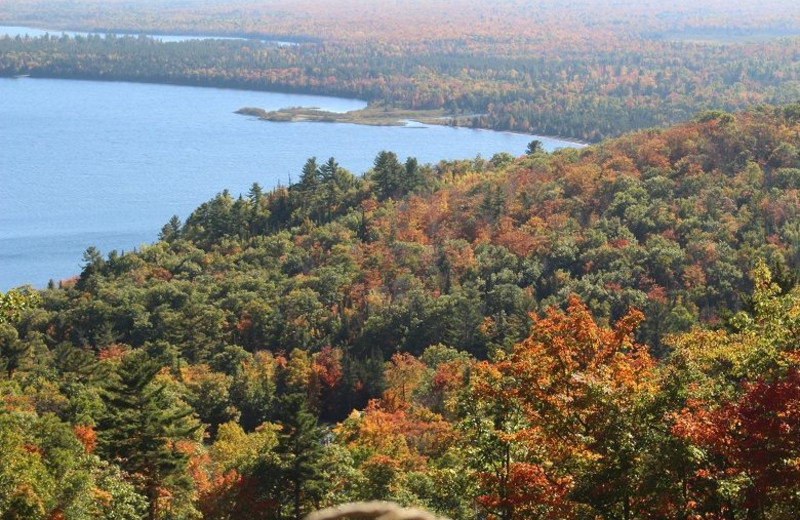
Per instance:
(587,91)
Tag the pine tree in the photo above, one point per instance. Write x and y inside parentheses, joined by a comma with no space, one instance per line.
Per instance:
(327,172)
(259,212)
(388,175)
(141,427)
(330,193)
(413,175)
(295,476)
(534,147)
(171,230)
(301,445)
(305,193)
(310,176)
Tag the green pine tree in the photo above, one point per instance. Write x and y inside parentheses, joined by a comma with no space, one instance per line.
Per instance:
(140,428)
(388,175)
(296,476)
(171,230)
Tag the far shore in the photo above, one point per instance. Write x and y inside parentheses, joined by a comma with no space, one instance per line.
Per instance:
(377,116)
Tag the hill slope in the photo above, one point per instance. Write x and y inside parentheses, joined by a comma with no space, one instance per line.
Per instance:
(262,314)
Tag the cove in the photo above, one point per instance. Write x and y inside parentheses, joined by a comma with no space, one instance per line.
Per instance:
(107,164)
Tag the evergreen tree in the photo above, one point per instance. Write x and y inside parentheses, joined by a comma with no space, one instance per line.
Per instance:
(413,175)
(534,147)
(331,193)
(171,230)
(304,193)
(296,476)
(327,172)
(301,446)
(259,212)
(310,176)
(255,194)
(387,174)
(140,429)
(93,263)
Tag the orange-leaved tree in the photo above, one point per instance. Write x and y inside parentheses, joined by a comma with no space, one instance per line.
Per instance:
(552,425)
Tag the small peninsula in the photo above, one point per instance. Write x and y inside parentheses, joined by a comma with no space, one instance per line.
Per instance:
(371,115)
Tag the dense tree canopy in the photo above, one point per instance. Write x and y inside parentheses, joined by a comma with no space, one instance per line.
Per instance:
(600,333)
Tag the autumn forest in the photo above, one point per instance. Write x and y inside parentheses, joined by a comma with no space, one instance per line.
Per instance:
(609,332)
(587,70)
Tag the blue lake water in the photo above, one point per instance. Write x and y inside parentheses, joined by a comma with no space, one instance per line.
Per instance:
(107,164)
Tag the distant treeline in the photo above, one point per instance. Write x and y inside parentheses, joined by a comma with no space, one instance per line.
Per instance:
(589,93)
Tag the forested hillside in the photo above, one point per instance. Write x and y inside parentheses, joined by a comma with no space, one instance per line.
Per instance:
(587,70)
(607,333)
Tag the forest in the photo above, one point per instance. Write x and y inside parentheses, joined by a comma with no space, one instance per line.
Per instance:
(608,333)
(583,70)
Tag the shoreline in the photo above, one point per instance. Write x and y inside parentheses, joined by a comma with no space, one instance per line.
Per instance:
(428,117)
(376,116)
(182,35)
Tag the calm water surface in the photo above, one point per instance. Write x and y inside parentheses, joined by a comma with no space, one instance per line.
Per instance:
(107,164)
(15,30)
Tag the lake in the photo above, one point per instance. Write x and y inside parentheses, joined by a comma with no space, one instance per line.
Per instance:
(16,30)
(107,164)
